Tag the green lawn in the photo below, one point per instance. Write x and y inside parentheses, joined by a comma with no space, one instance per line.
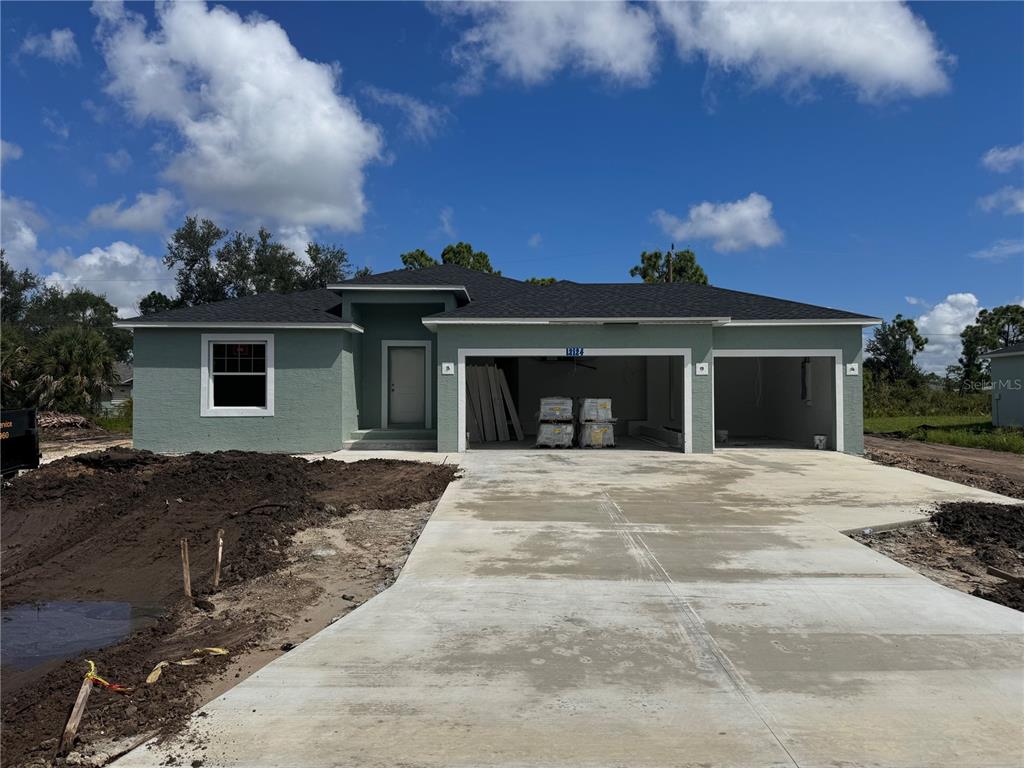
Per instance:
(963,431)
(886,424)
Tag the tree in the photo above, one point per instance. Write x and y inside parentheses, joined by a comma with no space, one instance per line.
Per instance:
(327,264)
(16,291)
(190,252)
(460,254)
(542,280)
(992,329)
(418,259)
(15,366)
(51,308)
(154,302)
(673,266)
(892,350)
(75,365)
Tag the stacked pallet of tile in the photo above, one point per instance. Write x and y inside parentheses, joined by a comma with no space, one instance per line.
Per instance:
(597,426)
(490,408)
(555,428)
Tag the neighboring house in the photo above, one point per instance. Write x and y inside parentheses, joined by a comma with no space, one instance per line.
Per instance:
(385,356)
(118,394)
(1007,368)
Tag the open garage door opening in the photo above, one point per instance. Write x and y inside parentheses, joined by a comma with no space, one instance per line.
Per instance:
(776,401)
(647,394)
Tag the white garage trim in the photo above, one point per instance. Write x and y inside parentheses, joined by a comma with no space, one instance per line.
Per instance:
(384,381)
(685,352)
(835,354)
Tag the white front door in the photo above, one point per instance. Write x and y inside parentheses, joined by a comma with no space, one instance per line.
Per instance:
(406,386)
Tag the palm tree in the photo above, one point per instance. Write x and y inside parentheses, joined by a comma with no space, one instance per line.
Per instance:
(75,365)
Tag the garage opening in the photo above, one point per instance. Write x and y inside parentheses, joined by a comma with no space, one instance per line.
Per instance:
(786,402)
(647,397)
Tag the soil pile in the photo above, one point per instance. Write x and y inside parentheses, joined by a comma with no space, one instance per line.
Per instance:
(975,547)
(106,526)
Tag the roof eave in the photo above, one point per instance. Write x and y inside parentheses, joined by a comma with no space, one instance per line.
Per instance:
(235,324)
(431,322)
(410,287)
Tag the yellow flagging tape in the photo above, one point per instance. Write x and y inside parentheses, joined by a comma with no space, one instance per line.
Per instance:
(91,675)
(210,652)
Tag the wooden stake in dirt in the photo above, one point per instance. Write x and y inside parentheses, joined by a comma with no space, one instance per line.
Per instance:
(220,555)
(71,726)
(185,569)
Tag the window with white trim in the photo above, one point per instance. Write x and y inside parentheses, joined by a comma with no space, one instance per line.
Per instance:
(238,375)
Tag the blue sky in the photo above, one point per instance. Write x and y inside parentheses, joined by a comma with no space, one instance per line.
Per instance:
(867,157)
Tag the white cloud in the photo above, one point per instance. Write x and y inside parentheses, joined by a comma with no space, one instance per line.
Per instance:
(96,111)
(148,212)
(1000,250)
(1009,200)
(58,46)
(422,121)
(54,123)
(265,133)
(447,223)
(535,240)
(20,224)
(914,301)
(121,272)
(9,151)
(732,226)
(942,325)
(881,49)
(1002,159)
(530,42)
(118,161)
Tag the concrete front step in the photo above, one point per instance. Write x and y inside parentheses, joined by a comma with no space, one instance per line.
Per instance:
(377,444)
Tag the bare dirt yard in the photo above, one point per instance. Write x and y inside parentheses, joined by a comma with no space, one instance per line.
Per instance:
(304,543)
(975,547)
(996,471)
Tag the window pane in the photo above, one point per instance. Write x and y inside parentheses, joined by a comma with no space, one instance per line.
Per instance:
(239,391)
(220,350)
(259,365)
(231,365)
(219,365)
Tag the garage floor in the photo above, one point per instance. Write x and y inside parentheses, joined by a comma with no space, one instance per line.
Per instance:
(646,609)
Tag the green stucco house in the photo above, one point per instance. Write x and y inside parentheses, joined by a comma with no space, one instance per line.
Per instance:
(1006,367)
(382,361)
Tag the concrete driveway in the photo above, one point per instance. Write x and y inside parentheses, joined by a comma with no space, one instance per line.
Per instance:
(604,608)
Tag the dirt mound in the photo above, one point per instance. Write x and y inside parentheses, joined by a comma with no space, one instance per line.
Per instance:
(73,529)
(989,527)
(960,545)
(105,526)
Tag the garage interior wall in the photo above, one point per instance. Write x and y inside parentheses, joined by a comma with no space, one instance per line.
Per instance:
(623,379)
(763,397)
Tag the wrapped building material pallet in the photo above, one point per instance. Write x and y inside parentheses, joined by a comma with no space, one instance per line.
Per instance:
(597,434)
(555,409)
(596,409)
(555,435)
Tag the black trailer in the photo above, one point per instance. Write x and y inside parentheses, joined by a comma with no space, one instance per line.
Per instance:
(19,441)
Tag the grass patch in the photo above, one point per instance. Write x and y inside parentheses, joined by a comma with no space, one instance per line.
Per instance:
(1008,439)
(949,429)
(888,424)
(118,420)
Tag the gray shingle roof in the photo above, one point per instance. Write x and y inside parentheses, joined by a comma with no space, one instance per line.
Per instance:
(496,297)
(1013,349)
(625,300)
(480,285)
(305,307)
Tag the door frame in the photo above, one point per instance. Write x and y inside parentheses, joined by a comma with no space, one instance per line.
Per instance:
(385,347)
(684,352)
(835,354)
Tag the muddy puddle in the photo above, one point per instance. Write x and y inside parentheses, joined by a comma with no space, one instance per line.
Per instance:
(35,636)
